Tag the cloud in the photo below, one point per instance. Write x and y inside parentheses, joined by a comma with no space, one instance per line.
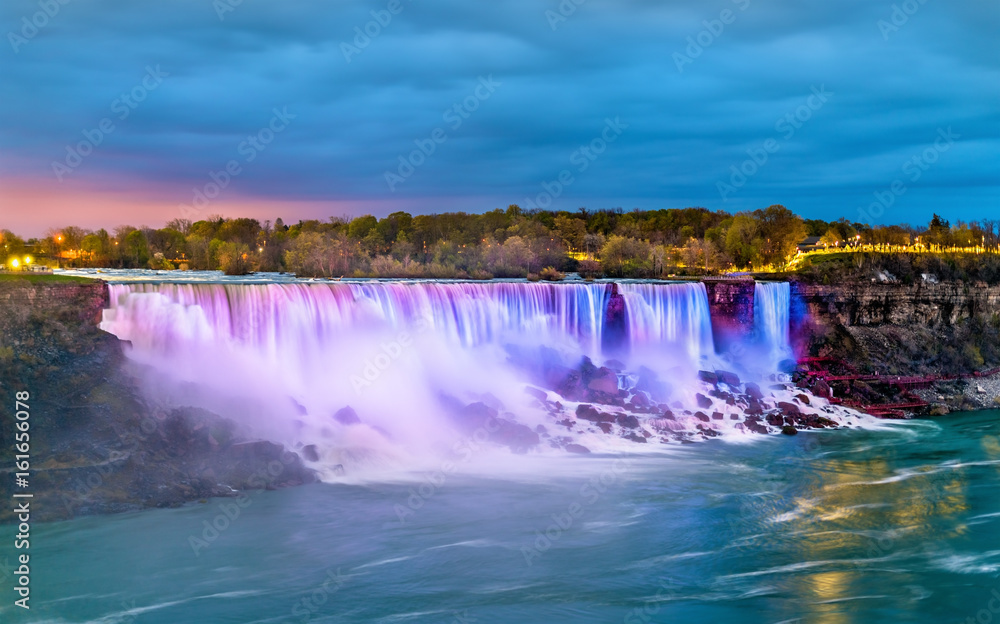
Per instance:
(892,91)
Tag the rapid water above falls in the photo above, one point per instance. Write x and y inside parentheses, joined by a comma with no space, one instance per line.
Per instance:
(376,372)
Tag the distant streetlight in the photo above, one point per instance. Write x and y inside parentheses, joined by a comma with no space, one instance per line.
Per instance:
(27,259)
(14,263)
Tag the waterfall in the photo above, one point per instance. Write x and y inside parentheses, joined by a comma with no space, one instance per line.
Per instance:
(276,317)
(285,358)
(772,301)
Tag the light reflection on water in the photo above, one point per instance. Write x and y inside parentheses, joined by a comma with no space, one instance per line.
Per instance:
(899,524)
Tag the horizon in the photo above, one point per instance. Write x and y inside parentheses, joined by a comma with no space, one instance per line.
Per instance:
(126,114)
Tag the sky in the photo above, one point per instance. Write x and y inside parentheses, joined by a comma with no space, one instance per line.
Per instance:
(139,112)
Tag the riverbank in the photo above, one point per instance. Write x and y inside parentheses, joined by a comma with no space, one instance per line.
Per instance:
(97,444)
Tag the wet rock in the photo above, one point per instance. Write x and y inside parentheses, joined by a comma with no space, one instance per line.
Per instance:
(939,410)
(730,379)
(789,430)
(708,377)
(589,412)
(650,383)
(754,424)
(347,416)
(605,380)
(775,420)
(703,401)
(577,448)
(639,399)
(310,453)
(475,415)
(753,390)
(605,427)
(615,365)
(734,417)
(717,416)
(634,437)
(668,415)
(518,437)
(628,421)
(790,409)
(821,388)
(803,397)
(702,416)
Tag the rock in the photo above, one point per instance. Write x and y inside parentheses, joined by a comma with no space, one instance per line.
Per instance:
(639,399)
(605,381)
(347,416)
(775,420)
(605,427)
(980,389)
(589,412)
(821,388)
(717,416)
(628,421)
(310,453)
(634,437)
(789,409)
(939,410)
(734,417)
(803,397)
(518,437)
(708,377)
(702,416)
(541,430)
(730,379)
(787,366)
(703,401)
(789,430)
(753,390)
(577,448)
(668,415)
(475,415)
(615,365)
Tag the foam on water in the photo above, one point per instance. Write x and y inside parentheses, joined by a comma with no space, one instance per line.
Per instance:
(283,358)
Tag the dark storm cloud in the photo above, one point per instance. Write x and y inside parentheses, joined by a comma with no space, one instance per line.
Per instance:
(893,88)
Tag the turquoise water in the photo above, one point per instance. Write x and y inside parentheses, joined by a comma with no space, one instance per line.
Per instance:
(894,525)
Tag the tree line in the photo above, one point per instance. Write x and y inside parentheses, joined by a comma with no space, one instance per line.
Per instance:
(498,243)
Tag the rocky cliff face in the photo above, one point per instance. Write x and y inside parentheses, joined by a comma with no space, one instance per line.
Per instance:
(731,306)
(895,329)
(873,304)
(97,446)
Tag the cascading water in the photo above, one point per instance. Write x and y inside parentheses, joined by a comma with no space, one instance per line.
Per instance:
(772,302)
(284,359)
